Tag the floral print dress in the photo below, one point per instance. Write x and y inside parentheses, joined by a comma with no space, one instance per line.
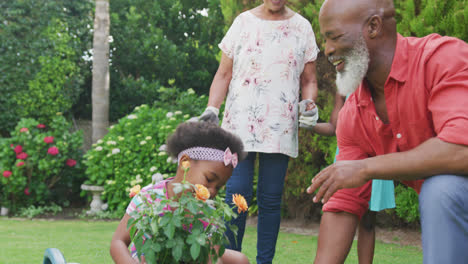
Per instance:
(268,60)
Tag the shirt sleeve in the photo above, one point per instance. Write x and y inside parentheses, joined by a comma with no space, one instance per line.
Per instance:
(312,49)
(228,43)
(447,101)
(134,203)
(346,135)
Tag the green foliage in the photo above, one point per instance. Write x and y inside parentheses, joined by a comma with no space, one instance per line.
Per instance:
(407,203)
(315,152)
(178,234)
(44,162)
(154,43)
(423,17)
(28,45)
(133,150)
(33,211)
(53,88)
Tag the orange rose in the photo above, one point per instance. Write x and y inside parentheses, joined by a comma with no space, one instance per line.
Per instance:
(240,202)
(201,192)
(135,190)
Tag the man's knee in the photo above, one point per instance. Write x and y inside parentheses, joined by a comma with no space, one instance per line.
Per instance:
(441,193)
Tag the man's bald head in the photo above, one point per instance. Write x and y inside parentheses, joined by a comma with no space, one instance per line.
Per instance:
(356,11)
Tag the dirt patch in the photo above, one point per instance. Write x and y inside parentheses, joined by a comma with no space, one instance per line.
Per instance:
(399,236)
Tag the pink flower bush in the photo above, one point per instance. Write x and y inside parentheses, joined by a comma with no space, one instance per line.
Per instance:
(22,156)
(49,140)
(70,162)
(26,191)
(24,129)
(19,164)
(18,149)
(41,126)
(7,174)
(53,151)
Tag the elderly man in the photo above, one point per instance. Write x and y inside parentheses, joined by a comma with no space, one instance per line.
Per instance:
(405,120)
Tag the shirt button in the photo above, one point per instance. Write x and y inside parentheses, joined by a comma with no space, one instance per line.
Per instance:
(398,135)
(377,118)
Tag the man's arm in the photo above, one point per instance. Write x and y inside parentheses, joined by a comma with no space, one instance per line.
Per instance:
(433,157)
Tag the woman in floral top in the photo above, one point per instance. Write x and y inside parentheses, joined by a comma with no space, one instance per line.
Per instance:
(268,56)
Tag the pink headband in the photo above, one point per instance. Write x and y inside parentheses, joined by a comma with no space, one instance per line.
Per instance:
(202,153)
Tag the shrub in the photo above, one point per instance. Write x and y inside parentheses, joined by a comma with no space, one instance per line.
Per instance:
(27,29)
(33,211)
(39,163)
(407,203)
(52,88)
(132,152)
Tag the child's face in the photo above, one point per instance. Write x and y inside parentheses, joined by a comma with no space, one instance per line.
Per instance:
(212,174)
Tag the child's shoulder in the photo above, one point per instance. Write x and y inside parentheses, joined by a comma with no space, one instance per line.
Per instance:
(158,187)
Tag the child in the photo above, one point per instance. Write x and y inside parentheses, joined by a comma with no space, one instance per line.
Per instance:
(203,145)
(382,196)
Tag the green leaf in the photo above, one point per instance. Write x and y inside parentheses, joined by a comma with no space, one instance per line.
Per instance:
(154,227)
(156,247)
(195,251)
(221,250)
(169,230)
(177,251)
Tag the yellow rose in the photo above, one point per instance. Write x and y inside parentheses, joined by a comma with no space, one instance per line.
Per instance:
(185,165)
(201,192)
(134,190)
(240,202)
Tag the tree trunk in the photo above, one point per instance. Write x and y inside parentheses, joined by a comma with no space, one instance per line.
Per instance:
(100,88)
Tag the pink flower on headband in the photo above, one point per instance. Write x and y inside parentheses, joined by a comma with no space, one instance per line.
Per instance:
(230,158)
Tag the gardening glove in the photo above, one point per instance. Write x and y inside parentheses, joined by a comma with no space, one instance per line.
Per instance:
(308,114)
(210,115)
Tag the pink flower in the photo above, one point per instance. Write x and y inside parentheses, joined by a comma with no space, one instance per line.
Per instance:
(24,129)
(19,164)
(11,145)
(22,156)
(26,191)
(7,174)
(18,149)
(49,140)
(53,151)
(41,126)
(70,162)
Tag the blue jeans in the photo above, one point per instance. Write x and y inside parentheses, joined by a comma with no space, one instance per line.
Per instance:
(443,204)
(272,170)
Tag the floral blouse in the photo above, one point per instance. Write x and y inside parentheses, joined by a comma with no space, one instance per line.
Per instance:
(268,60)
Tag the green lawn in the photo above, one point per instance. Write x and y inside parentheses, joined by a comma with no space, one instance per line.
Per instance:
(24,241)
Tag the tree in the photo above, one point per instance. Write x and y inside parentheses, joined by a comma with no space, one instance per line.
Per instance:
(41,44)
(100,86)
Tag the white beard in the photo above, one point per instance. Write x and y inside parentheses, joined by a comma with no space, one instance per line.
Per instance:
(355,69)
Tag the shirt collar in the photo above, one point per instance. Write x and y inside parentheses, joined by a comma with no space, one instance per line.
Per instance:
(399,71)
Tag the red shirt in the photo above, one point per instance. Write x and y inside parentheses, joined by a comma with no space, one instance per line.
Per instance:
(426,94)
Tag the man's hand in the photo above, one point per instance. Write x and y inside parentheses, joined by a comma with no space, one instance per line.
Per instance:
(341,175)
(210,115)
(308,114)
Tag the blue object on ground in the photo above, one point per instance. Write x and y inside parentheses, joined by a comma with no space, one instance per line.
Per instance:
(53,256)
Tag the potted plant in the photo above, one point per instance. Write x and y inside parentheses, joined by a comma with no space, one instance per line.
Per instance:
(186,228)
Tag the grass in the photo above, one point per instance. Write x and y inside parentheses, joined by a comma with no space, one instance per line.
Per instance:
(87,242)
